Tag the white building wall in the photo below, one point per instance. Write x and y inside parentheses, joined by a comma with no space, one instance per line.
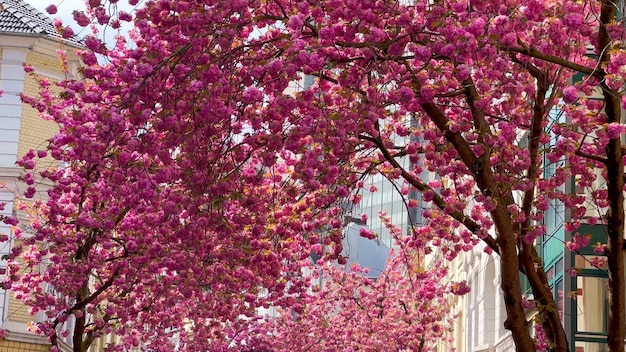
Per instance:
(486,312)
(11,83)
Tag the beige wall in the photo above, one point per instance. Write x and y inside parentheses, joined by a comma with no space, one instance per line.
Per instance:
(34,132)
(16,346)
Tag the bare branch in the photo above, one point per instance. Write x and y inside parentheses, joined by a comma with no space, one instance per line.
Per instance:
(470,224)
(532,52)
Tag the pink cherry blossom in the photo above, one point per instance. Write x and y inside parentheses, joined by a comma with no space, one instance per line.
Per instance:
(51,9)
(570,94)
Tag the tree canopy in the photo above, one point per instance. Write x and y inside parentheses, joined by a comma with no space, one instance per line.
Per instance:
(195,183)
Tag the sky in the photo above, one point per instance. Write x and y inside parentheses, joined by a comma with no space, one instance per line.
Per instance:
(66,7)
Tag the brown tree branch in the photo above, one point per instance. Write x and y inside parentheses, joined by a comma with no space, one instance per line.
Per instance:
(470,224)
(506,239)
(532,52)
(528,257)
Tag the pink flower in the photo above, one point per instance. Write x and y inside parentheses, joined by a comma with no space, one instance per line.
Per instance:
(541,339)
(512,208)
(317,249)
(477,27)
(462,72)
(29,164)
(30,192)
(598,262)
(81,18)
(599,248)
(342,191)
(67,32)
(367,233)
(460,288)
(51,9)
(89,58)
(125,16)
(252,94)
(570,94)
(526,304)
(573,20)
(405,93)
(427,93)
(296,22)
(614,130)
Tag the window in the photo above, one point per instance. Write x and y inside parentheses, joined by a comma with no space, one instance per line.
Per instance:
(592,305)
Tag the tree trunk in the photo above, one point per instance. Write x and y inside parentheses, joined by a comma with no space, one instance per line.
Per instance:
(615,224)
(615,188)
(516,318)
